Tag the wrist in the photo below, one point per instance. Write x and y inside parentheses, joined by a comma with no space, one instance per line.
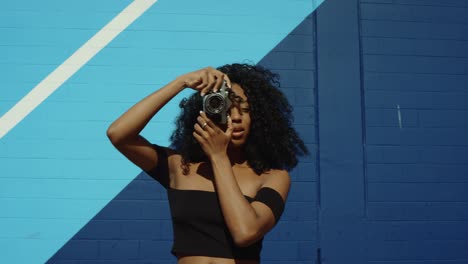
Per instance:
(219,158)
(181,82)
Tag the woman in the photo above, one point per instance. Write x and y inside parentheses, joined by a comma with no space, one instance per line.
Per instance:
(227,183)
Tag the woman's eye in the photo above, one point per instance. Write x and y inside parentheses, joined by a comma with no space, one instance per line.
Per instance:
(245,110)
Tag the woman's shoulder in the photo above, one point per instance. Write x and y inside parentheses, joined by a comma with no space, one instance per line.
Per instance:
(276,177)
(275,173)
(168,155)
(166,151)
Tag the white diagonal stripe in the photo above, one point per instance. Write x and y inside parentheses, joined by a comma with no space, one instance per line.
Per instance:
(71,65)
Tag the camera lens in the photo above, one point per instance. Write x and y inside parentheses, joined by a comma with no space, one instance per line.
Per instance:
(215,102)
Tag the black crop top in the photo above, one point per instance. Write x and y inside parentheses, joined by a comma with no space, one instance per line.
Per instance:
(198,224)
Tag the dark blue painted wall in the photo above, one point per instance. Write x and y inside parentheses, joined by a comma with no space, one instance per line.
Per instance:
(415,86)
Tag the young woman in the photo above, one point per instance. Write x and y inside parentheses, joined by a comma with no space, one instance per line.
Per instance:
(226,183)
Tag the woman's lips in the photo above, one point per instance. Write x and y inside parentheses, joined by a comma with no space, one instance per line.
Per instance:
(237,132)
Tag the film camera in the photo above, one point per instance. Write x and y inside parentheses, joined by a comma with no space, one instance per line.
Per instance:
(217,104)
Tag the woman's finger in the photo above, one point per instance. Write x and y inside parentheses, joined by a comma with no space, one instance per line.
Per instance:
(219,82)
(211,81)
(198,137)
(208,121)
(200,131)
(205,124)
(230,128)
(228,81)
(203,85)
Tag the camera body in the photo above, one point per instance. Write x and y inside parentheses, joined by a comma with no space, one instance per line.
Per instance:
(216,104)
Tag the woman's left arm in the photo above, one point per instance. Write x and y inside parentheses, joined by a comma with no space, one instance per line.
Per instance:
(247,222)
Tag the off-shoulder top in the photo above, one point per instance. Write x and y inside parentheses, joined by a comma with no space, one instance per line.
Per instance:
(198,224)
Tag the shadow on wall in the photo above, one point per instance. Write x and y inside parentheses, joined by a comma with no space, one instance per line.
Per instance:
(135,227)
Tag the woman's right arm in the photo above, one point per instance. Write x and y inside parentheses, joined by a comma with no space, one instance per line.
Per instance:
(124,133)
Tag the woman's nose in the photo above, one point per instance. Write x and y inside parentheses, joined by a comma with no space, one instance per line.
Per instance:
(235,114)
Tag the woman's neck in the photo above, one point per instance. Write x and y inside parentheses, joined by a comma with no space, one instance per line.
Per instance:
(237,156)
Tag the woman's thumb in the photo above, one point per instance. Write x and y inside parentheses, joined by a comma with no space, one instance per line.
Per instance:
(229,126)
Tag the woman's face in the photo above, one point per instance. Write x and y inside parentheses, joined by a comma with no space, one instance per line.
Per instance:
(240,116)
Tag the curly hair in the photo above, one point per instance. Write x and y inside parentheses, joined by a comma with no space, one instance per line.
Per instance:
(272,143)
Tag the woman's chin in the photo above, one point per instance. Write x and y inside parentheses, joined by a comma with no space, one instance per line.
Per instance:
(237,142)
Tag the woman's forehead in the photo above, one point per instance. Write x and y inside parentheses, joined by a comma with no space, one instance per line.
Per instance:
(239,91)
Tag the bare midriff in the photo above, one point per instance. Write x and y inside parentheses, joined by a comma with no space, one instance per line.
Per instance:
(212,260)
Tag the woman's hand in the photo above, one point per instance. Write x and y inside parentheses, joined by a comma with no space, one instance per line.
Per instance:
(205,79)
(212,139)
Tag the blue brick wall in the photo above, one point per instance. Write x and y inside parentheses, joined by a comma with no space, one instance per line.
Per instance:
(295,238)
(415,86)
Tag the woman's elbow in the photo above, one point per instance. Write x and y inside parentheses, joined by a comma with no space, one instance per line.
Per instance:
(246,239)
(113,135)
